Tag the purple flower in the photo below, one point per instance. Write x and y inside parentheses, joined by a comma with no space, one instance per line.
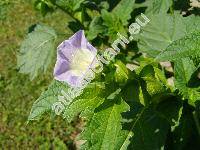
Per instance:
(74,58)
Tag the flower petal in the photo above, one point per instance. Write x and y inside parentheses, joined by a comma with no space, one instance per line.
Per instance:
(74,58)
(78,40)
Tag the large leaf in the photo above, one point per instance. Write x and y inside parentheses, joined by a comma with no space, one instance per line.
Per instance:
(37,51)
(149,129)
(188,46)
(123,10)
(186,133)
(164,29)
(160,32)
(104,130)
(89,98)
(45,102)
(192,23)
(159,6)
(185,53)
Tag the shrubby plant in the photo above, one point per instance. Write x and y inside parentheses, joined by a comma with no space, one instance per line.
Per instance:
(147,97)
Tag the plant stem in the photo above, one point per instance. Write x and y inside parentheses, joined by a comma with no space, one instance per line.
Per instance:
(172,7)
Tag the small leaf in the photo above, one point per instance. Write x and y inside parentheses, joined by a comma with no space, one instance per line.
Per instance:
(123,10)
(155,83)
(44,6)
(37,51)
(122,73)
(113,24)
(69,5)
(95,28)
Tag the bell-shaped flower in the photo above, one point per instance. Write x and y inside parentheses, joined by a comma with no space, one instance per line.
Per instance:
(75,57)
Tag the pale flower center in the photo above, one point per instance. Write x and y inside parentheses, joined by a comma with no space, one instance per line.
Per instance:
(81,61)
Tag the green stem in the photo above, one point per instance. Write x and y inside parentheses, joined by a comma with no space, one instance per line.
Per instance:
(63,34)
(172,7)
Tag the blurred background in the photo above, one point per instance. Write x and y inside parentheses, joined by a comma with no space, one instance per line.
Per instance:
(17,92)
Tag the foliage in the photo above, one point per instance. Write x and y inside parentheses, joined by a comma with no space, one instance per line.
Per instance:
(37,50)
(18,93)
(137,108)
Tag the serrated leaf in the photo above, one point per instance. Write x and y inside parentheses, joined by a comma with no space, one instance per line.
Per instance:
(188,46)
(192,23)
(104,130)
(184,68)
(95,28)
(155,38)
(113,24)
(159,6)
(121,73)
(123,10)
(149,129)
(155,83)
(37,51)
(90,99)
(160,32)
(45,102)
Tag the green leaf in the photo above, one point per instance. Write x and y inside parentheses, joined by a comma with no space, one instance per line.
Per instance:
(171,110)
(104,130)
(121,73)
(155,83)
(188,46)
(192,23)
(44,6)
(123,10)
(45,102)
(69,5)
(186,133)
(90,99)
(155,38)
(184,69)
(149,130)
(37,51)
(113,24)
(159,6)
(95,28)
